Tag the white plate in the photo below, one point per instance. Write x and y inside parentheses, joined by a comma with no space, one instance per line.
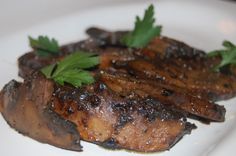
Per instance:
(199,23)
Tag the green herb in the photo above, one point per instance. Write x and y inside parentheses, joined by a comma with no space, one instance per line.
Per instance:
(144,30)
(43,46)
(228,55)
(72,69)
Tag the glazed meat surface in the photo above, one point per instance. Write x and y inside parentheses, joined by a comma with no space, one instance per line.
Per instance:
(177,64)
(139,101)
(117,60)
(62,115)
(164,60)
(172,97)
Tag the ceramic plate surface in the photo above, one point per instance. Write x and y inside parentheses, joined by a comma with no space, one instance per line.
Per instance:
(202,24)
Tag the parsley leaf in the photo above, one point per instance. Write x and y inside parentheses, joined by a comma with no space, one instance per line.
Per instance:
(48,70)
(44,46)
(228,55)
(144,30)
(72,69)
(75,77)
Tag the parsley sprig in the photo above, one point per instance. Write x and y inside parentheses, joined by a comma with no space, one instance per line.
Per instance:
(228,55)
(44,46)
(144,30)
(72,69)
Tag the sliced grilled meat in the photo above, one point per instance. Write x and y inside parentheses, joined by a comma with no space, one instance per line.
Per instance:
(105,37)
(168,95)
(30,62)
(161,75)
(26,108)
(172,61)
(139,102)
(192,68)
(190,104)
(178,64)
(200,82)
(57,115)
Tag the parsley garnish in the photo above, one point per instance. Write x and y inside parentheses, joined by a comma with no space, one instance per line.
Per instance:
(72,69)
(228,55)
(144,30)
(43,46)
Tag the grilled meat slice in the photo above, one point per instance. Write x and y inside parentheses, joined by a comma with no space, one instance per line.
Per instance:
(30,62)
(58,114)
(129,61)
(168,95)
(105,37)
(190,104)
(191,67)
(172,61)
(130,122)
(139,103)
(178,64)
(200,82)
(25,108)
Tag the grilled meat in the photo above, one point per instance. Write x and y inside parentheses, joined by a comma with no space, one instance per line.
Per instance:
(172,97)
(177,64)
(57,115)
(144,71)
(190,104)
(139,102)
(26,108)
(165,59)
